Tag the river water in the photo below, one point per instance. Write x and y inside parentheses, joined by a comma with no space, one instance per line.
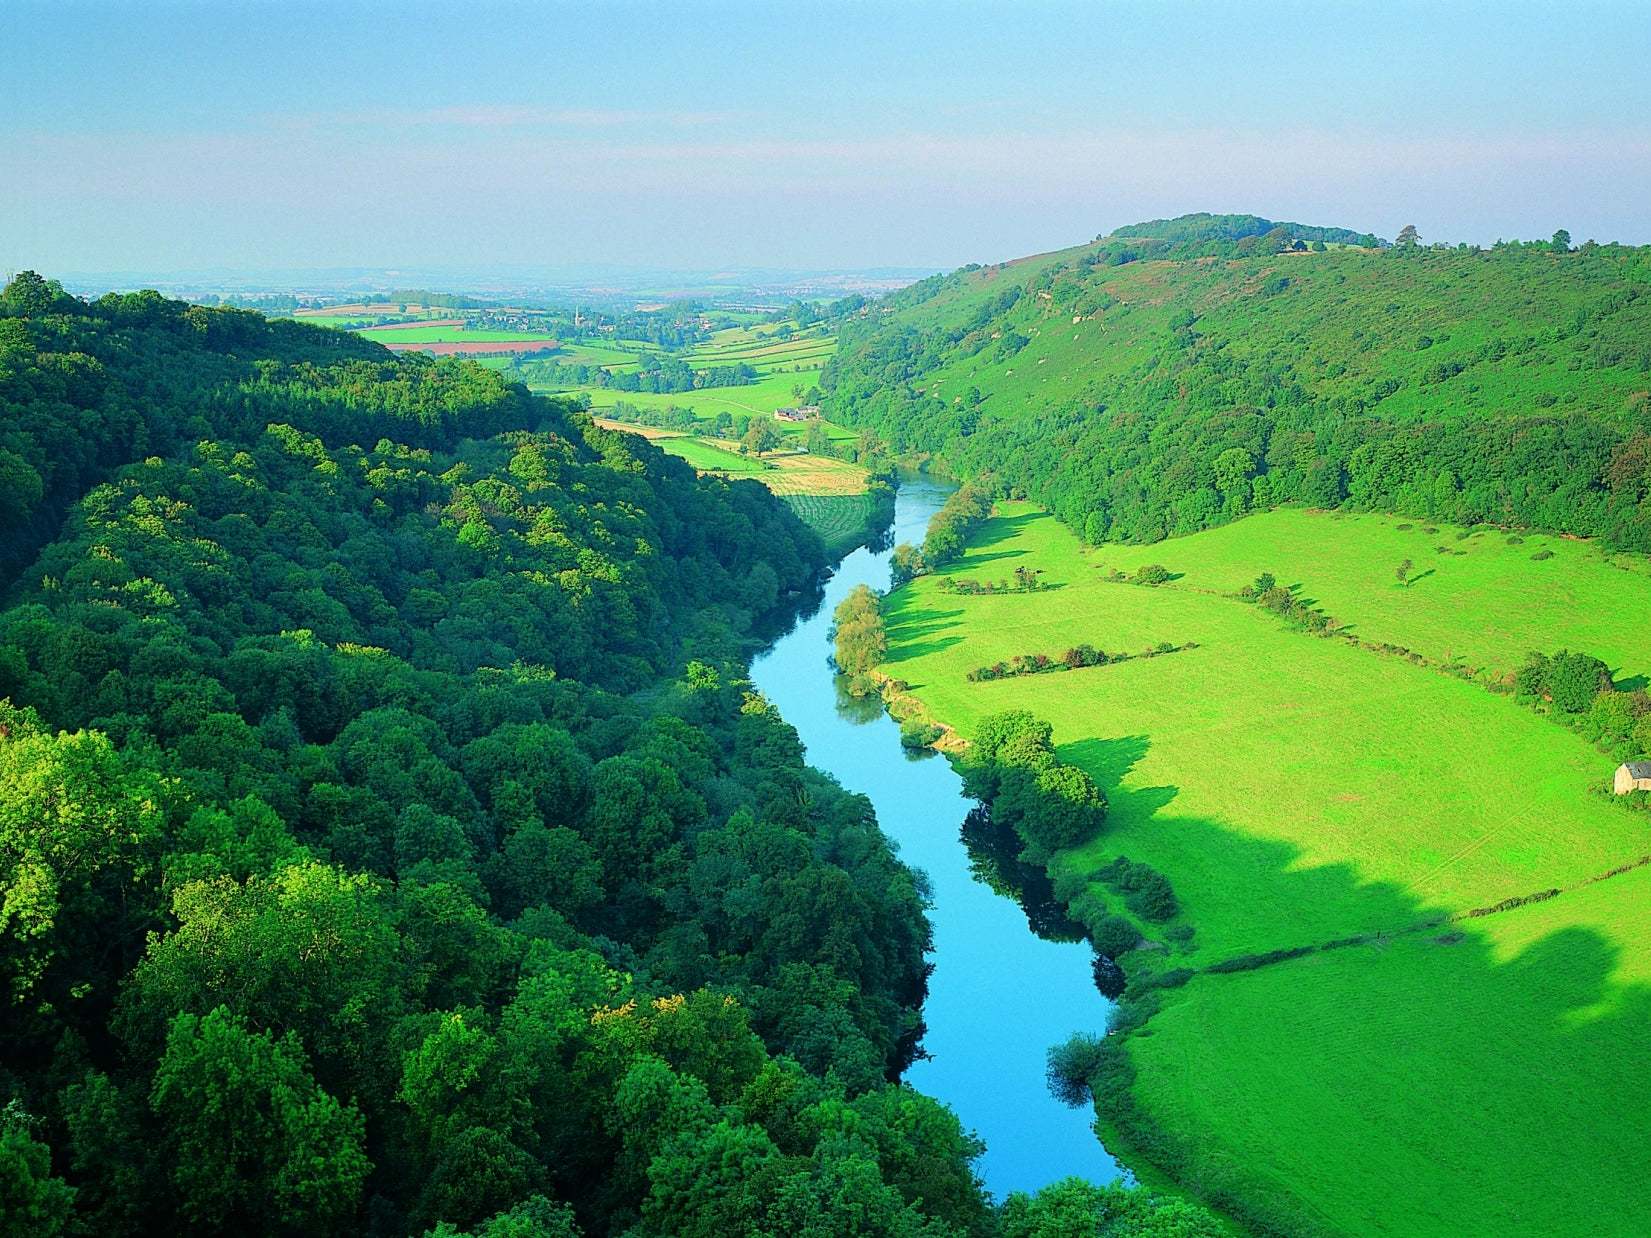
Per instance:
(1000,995)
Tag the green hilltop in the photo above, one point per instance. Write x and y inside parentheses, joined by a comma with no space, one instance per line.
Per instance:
(1175,375)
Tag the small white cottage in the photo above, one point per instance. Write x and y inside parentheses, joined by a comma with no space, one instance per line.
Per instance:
(1633,776)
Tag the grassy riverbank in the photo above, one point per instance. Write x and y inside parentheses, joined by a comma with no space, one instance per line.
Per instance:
(1298,791)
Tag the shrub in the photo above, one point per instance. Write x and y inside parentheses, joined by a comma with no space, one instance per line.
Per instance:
(1072,1065)
(1113,936)
(1110,980)
(1540,555)
(916,733)
(1153,899)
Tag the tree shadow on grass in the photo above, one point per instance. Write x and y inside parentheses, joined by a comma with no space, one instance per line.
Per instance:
(976,557)
(1493,1066)
(908,625)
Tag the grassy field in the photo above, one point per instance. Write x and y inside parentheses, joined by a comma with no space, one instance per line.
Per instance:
(1486,601)
(710,458)
(1297,790)
(414,334)
(758,399)
(828,494)
(1493,1085)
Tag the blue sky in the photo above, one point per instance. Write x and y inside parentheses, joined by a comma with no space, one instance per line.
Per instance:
(169,136)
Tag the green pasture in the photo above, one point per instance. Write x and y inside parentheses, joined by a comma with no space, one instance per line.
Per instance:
(579,352)
(1483,600)
(1298,790)
(1499,1078)
(703,455)
(758,399)
(448,335)
(1285,782)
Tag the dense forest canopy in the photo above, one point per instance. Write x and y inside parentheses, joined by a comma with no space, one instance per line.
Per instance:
(1140,392)
(389,841)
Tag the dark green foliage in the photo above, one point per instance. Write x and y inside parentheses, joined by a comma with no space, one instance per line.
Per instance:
(1203,234)
(1147,892)
(1570,681)
(1025,580)
(654,373)
(1283,602)
(1071,1065)
(1113,936)
(949,531)
(1012,768)
(1073,1208)
(367,865)
(32,1200)
(1073,659)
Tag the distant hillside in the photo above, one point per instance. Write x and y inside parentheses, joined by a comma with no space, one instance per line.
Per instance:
(1216,231)
(1141,396)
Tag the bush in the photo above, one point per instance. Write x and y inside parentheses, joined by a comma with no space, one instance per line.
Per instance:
(915,733)
(1154,899)
(1113,936)
(1110,980)
(1540,555)
(1072,1065)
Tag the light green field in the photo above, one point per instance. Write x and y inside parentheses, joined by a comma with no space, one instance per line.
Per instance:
(1265,762)
(827,494)
(705,456)
(581,353)
(446,335)
(1297,790)
(1488,605)
(758,399)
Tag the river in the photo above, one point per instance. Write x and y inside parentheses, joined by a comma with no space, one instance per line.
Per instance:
(999,995)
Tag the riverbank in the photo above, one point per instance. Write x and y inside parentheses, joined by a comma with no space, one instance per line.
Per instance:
(1298,792)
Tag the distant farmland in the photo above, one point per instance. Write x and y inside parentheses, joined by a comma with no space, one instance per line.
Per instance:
(476,348)
(402,326)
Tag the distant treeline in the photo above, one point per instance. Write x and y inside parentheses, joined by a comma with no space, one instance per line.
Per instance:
(656,374)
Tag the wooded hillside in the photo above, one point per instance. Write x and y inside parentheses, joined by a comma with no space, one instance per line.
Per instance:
(1175,375)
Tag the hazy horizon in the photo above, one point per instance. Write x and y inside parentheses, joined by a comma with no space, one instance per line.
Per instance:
(181,136)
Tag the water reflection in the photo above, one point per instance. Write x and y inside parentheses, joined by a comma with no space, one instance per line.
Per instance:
(1011,975)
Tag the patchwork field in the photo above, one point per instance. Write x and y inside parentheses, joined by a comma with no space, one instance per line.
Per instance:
(828,494)
(1297,791)
(447,333)
(784,368)
(1483,600)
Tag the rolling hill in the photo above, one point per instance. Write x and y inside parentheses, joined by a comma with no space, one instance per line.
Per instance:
(1172,376)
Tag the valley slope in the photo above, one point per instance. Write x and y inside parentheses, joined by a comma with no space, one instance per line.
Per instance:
(1407,952)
